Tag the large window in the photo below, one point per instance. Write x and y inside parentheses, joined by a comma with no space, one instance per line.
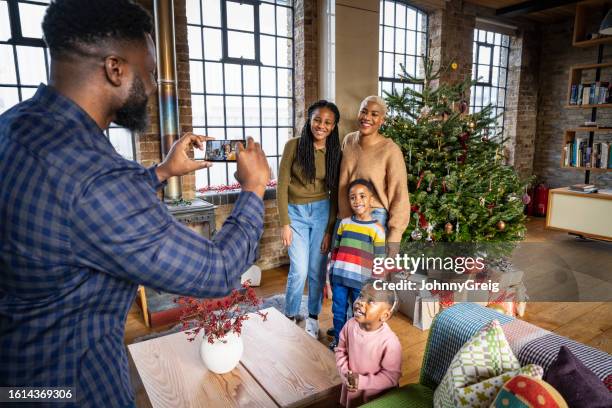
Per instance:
(402,41)
(24,61)
(241,73)
(490,70)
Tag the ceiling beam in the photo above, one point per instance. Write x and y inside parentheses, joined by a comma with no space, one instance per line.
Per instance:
(531,6)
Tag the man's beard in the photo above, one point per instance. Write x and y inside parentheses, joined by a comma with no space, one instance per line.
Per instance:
(133,114)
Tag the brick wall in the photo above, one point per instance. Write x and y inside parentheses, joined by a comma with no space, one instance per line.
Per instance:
(306,59)
(557,55)
(271,251)
(520,118)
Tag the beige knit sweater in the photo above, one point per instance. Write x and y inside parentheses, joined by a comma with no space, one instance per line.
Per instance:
(383,165)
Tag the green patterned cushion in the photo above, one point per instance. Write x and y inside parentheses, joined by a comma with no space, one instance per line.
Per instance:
(412,395)
(483,393)
(486,355)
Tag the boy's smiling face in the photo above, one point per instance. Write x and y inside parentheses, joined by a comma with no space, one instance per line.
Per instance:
(370,309)
(360,198)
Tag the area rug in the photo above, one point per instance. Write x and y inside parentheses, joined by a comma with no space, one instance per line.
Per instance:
(275,301)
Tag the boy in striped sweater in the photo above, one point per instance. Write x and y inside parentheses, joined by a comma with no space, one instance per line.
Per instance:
(359,240)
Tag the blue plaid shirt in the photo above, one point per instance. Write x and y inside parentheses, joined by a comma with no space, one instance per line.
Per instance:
(80,227)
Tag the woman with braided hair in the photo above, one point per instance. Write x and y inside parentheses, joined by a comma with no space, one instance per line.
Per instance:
(307,203)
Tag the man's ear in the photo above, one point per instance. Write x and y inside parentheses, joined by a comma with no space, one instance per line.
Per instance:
(115,70)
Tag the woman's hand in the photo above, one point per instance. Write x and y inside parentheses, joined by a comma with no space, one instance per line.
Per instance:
(286,235)
(325,243)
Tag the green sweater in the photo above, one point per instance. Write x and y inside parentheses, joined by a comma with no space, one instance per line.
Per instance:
(293,188)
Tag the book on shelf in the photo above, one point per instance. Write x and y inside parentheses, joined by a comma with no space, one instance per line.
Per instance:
(590,94)
(605,155)
(583,188)
(586,92)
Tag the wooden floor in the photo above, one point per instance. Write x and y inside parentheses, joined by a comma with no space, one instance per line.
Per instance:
(589,323)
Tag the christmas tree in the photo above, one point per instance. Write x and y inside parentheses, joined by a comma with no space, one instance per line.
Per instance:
(461,189)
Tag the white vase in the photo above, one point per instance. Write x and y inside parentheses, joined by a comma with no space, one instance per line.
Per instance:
(223,355)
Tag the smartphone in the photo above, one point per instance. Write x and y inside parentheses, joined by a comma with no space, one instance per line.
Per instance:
(222,150)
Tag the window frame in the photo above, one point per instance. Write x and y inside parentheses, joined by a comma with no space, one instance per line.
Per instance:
(491,83)
(382,50)
(18,40)
(203,59)
(225,32)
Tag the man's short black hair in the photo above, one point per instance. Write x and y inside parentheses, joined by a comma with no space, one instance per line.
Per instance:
(71,25)
(362,182)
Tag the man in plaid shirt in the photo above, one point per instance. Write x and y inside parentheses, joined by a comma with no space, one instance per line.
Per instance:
(81,227)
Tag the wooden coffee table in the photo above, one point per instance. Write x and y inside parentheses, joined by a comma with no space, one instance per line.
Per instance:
(281,366)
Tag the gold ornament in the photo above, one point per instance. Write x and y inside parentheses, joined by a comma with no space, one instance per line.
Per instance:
(501,226)
(448,228)
(472,125)
(454,66)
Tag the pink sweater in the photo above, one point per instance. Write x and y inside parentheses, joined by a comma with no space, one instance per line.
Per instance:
(376,356)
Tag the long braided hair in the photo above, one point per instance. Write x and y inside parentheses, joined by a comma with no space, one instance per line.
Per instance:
(333,154)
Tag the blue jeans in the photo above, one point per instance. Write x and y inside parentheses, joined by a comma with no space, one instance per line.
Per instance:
(341,296)
(380,215)
(308,224)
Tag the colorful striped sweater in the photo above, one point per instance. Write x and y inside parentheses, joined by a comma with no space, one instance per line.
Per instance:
(356,245)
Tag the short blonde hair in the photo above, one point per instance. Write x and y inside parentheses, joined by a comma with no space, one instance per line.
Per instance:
(377,100)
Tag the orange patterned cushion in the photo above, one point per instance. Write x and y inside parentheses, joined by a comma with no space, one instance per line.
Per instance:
(527,392)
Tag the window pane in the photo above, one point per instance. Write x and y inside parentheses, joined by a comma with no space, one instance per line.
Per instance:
(212,44)
(285,109)
(411,43)
(400,41)
(233,79)
(194,38)
(234,133)
(388,65)
(412,18)
(483,73)
(484,55)
(31,65)
(5,28)
(31,17)
(285,22)
(284,134)
(240,16)
(389,13)
(233,106)
(211,10)
(400,15)
(7,68)
(214,77)
(251,111)
(215,111)
(268,81)
(285,87)
(251,80)
(196,76)
(198,110)
(266,18)
(27,93)
(268,111)
(268,141)
(8,98)
(255,133)
(240,45)
(193,12)
(388,38)
(121,139)
(267,49)
(218,174)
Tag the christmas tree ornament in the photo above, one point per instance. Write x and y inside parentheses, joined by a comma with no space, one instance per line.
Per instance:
(454,66)
(430,228)
(463,107)
(526,199)
(501,226)
(472,125)
(448,228)
(416,235)
(482,201)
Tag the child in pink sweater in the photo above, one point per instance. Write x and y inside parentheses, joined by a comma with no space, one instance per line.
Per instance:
(369,354)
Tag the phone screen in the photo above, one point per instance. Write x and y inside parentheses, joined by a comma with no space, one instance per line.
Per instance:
(222,150)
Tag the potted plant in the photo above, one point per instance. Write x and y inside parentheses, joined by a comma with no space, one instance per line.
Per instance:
(220,320)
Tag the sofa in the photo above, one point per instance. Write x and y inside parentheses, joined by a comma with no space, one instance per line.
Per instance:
(454,326)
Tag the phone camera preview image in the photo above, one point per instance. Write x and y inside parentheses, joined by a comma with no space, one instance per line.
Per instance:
(222,150)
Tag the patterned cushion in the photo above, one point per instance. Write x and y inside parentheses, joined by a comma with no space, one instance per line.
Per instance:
(526,392)
(486,355)
(482,394)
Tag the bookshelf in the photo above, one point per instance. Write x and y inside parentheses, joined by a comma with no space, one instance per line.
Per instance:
(584,11)
(570,138)
(575,80)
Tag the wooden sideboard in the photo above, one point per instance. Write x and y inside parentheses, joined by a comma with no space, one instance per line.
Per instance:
(587,215)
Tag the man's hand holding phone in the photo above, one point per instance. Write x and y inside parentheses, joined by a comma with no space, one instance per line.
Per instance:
(177,162)
(253,172)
